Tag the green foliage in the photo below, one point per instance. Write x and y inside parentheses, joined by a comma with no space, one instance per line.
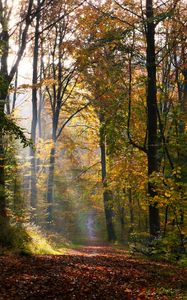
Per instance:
(38,243)
(4,83)
(183,261)
(140,242)
(13,236)
(169,247)
(169,188)
(24,239)
(8,126)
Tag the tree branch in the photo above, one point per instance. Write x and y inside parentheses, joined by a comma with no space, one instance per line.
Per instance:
(69,119)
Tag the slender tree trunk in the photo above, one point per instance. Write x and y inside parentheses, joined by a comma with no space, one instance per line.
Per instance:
(40,131)
(107,194)
(16,74)
(2,178)
(122,222)
(15,92)
(40,113)
(3,94)
(185,90)
(4,83)
(183,103)
(8,111)
(139,215)
(165,220)
(50,185)
(129,192)
(34,112)
(184,72)
(182,124)
(154,223)
(41,95)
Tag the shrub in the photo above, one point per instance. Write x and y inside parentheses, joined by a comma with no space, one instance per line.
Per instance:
(13,236)
(24,239)
(170,247)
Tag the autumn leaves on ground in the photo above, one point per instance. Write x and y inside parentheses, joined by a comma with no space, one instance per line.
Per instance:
(91,272)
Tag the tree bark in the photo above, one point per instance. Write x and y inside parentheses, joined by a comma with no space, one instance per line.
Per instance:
(122,222)
(154,222)
(50,186)
(4,83)
(2,178)
(107,194)
(34,112)
(129,193)
(185,90)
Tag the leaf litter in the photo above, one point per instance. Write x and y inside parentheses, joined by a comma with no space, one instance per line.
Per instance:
(92,272)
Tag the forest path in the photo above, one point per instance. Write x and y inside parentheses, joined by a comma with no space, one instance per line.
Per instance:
(88,272)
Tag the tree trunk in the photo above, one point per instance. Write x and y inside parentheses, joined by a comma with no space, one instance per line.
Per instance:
(15,92)
(2,178)
(4,83)
(50,186)
(154,222)
(107,194)
(40,108)
(185,91)
(139,215)
(3,214)
(129,191)
(16,75)
(34,113)
(122,222)
(41,94)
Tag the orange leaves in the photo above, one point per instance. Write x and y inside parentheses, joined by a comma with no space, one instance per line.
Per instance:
(93,272)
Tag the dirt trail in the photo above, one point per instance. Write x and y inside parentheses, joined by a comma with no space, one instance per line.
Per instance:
(90,272)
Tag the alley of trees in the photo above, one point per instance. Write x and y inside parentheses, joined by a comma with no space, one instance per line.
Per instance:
(93,149)
(93,124)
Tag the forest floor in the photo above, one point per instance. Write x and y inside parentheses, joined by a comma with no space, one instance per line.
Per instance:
(89,272)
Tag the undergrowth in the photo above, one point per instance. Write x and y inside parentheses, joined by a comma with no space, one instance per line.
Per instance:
(168,248)
(39,243)
(25,239)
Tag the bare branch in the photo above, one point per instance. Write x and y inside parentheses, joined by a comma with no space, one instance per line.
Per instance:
(84,171)
(69,119)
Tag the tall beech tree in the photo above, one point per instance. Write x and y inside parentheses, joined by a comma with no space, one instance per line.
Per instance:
(148,19)
(35,105)
(107,193)
(151,98)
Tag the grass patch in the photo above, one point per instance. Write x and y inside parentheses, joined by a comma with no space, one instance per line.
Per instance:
(39,243)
